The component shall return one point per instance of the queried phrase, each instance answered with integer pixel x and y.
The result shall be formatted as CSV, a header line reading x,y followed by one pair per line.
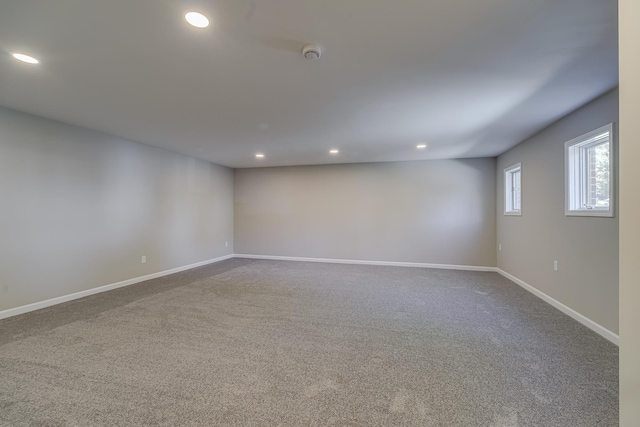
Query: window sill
x,y
595,213
513,213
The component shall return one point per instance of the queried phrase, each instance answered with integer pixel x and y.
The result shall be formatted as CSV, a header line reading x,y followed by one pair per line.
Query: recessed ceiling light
x,y
25,58
334,151
421,146
197,19
260,156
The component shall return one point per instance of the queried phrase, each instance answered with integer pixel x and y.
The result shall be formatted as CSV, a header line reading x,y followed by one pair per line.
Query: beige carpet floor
x,y
272,343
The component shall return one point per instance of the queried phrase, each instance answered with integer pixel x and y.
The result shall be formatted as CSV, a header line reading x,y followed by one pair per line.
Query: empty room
x,y
319,213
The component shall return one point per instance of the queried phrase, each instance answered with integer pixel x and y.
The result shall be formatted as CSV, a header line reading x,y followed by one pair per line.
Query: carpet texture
x,y
274,343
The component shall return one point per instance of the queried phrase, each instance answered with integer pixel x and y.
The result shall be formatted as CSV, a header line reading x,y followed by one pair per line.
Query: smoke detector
x,y
311,51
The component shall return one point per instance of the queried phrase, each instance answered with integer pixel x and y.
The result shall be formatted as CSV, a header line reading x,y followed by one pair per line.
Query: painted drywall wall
x,y
440,211
586,248
79,209
629,213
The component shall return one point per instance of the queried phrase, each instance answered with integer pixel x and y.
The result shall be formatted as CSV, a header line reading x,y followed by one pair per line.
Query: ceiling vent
x,y
311,51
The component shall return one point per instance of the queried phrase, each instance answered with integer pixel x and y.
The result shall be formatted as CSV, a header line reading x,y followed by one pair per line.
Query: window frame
x,y
509,188
573,172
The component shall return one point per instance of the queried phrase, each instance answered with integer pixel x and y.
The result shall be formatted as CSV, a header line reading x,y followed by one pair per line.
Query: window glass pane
x,y
598,176
516,190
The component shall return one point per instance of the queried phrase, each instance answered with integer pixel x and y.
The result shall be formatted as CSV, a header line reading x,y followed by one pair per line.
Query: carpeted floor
x,y
262,343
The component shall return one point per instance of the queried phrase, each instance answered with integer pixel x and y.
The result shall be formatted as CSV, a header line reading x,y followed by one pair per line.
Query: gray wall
x,y
586,247
629,213
440,211
79,209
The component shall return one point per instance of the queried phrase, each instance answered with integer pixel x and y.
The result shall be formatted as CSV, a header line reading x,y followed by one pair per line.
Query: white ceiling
x,y
471,78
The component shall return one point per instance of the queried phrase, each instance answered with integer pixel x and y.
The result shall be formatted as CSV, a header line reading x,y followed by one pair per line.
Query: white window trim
x,y
608,213
507,189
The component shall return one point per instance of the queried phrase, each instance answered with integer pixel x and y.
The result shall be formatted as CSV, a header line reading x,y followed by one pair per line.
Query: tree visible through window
x,y
599,175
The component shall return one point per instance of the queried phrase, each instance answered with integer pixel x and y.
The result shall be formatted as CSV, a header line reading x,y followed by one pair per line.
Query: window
x,y
589,173
512,190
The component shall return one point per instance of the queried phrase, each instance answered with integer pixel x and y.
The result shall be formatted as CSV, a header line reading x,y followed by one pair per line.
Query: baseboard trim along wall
x,y
557,304
364,262
599,329
59,300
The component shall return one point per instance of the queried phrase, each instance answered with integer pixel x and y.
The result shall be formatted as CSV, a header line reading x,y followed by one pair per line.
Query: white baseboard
x,y
58,300
599,329
363,262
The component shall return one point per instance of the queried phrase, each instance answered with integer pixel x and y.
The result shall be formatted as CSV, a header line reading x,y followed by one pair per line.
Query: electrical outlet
x,y
226,244
144,259
500,247
555,265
